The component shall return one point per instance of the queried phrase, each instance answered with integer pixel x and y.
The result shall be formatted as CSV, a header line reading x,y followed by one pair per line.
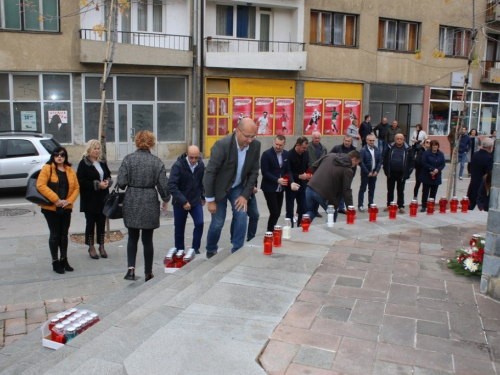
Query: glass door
x,y
265,32
132,118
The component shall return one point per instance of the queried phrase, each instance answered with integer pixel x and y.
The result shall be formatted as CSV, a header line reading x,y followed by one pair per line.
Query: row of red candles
x,y
67,325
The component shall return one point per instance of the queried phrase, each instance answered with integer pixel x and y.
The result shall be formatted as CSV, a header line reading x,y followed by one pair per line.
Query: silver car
x,y
22,155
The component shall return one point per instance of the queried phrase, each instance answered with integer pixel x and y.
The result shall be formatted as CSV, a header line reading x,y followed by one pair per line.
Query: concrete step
x,y
128,316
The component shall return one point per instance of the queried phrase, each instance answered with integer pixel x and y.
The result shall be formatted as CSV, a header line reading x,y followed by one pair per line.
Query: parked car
x,y
22,155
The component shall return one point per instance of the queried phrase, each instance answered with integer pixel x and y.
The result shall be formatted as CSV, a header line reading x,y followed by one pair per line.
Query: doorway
x,y
132,118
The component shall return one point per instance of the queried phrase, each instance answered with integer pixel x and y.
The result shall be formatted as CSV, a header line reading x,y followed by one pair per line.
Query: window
x,y
397,35
245,21
33,15
333,28
20,147
454,41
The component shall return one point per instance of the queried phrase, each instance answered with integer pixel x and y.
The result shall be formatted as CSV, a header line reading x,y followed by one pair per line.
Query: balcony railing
x,y
246,45
176,42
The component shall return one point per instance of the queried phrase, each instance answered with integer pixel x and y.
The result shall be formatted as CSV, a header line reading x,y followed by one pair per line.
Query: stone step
x,y
128,316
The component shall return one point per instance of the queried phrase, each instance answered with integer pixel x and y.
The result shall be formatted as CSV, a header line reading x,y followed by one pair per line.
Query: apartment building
x,y
190,69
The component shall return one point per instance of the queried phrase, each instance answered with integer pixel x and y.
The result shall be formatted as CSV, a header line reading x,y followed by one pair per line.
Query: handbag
x,y
32,193
113,204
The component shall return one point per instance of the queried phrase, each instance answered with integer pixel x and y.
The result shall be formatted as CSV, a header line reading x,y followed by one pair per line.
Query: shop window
x,y
92,113
454,41
26,87
34,15
245,21
136,88
56,87
22,112
337,29
4,117
4,87
171,89
57,118
93,88
439,115
217,86
171,122
395,35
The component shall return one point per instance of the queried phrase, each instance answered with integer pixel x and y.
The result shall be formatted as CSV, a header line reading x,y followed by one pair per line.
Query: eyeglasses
x,y
59,155
247,136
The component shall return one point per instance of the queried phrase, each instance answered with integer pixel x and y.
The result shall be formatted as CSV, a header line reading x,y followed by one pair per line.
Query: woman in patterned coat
x,y
144,176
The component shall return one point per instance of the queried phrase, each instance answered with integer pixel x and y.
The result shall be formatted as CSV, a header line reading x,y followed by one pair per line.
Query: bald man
x,y
186,187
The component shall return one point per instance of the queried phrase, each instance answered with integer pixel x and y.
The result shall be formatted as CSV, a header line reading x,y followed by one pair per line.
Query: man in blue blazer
x,y
231,175
274,165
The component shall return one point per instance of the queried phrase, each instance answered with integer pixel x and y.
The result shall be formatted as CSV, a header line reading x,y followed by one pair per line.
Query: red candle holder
x,y
413,208
373,211
351,214
305,222
454,204
277,234
465,204
393,209
443,202
430,206
268,243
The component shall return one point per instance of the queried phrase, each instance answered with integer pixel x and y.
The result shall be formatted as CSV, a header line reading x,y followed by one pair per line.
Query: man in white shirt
x,y
263,124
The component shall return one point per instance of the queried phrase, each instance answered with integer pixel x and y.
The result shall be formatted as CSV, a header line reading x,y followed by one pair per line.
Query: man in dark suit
x,y
231,175
480,164
364,129
275,164
299,162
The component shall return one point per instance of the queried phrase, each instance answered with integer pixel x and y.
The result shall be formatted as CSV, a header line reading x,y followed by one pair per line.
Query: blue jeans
x,y
314,200
253,218
180,217
291,196
370,182
382,145
218,219
461,160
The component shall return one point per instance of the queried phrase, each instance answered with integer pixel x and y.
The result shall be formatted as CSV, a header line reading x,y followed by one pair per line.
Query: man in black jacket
x,y
186,187
380,130
299,162
364,129
480,164
344,148
398,165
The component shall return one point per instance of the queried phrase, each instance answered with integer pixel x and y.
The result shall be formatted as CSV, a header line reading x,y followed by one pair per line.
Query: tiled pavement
x,y
388,305
17,320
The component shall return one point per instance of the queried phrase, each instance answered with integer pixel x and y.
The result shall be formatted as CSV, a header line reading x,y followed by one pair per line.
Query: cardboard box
x,y
47,338
170,270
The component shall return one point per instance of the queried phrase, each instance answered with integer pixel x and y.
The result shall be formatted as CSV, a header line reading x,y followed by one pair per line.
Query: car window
x,y
20,147
49,144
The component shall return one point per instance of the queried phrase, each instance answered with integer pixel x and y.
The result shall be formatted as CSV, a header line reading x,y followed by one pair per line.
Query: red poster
x,y
242,107
223,107
312,115
264,116
211,124
351,113
212,106
332,120
223,126
284,116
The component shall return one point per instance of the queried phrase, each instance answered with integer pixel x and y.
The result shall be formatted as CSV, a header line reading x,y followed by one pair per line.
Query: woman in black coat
x,y
94,178
433,163
420,149
483,194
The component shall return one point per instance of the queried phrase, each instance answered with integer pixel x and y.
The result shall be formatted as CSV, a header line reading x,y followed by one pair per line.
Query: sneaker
x,y
461,178
386,209
401,210
361,209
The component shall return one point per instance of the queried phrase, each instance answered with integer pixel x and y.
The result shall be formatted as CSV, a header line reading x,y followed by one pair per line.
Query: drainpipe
x,y
202,71
194,75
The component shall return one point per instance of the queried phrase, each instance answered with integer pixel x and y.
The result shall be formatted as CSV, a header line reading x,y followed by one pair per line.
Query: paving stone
x,y
24,306
315,297
334,327
433,329
369,267
333,258
349,282
406,268
494,345
431,266
318,339
330,270
36,315
299,369
489,307
277,356
409,247
321,282
368,312
32,327
430,246
377,281
413,357
426,371
387,368
454,347
301,314
383,257
398,331
13,314
349,360
460,293
356,293
55,307
15,326
360,258
358,248
403,295
447,275
315,357
465,327
431,293
10,339
2,308
72,299
471,366
491,324
335,313
419,281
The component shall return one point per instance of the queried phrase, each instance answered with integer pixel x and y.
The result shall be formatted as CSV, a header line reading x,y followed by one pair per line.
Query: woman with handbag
x,y
144,176
433,163
58,183
94,177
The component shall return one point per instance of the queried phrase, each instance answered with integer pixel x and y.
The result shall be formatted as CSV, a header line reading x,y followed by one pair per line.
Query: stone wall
x,y
490,279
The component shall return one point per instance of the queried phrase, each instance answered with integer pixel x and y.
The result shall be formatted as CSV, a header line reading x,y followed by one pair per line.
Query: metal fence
x,y
177,42
246,45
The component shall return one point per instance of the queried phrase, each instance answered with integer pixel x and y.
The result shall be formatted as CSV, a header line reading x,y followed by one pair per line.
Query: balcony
x,y
254,54
493,12
491,71
138,48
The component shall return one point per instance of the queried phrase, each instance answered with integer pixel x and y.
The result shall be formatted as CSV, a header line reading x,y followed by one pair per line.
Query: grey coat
x,y
144,176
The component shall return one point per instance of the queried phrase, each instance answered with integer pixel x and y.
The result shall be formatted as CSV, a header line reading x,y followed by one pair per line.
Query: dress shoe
x,y
318,215
401,210
210,255
92,252
102,251
386,209
196,251
65,265
148,277
423,209
341,211
56,266
130,274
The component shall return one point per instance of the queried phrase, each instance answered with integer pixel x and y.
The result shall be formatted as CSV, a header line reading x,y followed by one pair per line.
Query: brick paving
x,y
389,305
17,320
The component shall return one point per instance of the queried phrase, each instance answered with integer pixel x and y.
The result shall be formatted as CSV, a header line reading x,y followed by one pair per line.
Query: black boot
x,y
57,267
130,274
65,265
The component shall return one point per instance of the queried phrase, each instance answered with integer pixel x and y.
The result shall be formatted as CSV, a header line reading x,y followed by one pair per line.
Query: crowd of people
x,y
305,175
